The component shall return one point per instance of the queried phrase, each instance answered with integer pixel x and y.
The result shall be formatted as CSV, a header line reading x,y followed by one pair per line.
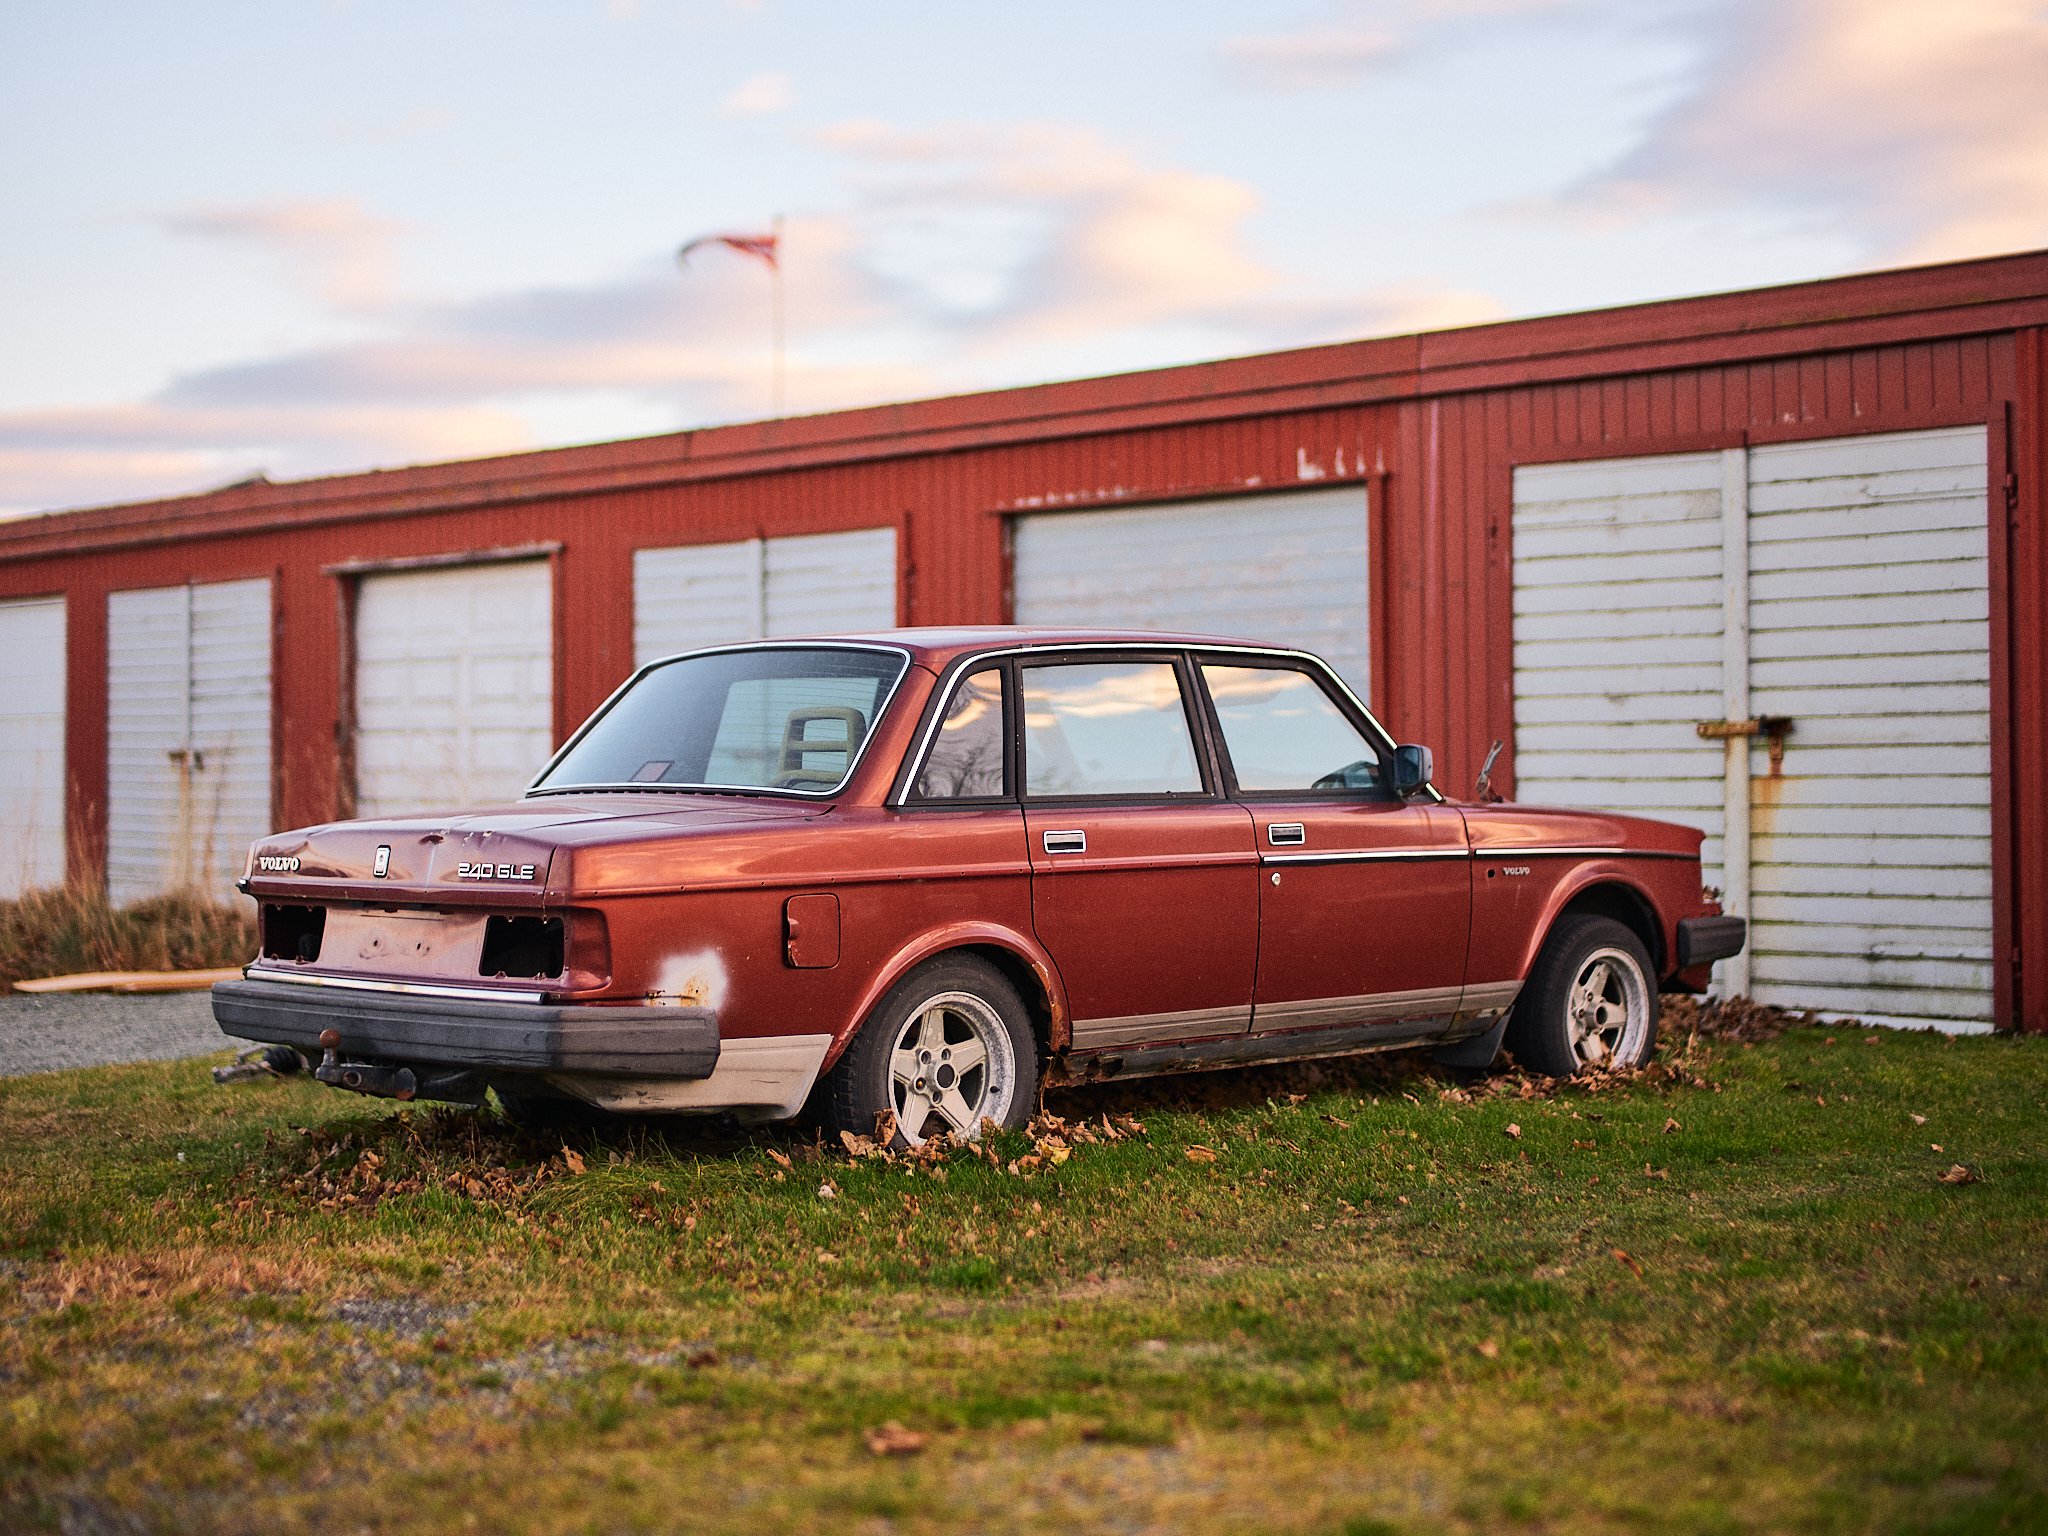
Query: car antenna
x,y
1483,790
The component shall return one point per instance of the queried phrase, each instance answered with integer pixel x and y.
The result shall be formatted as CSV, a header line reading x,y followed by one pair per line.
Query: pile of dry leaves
x,y
450,1149
1053,1141
1733,1018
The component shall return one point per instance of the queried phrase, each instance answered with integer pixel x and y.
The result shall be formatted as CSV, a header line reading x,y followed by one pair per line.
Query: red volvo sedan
x,y
924,872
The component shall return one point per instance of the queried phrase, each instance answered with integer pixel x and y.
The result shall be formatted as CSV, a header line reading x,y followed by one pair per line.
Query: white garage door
x,y
1841,585
752,589
32,745
454,685
188,736
1288,569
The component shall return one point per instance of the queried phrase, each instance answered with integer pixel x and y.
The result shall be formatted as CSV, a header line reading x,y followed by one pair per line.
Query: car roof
x,y
935,647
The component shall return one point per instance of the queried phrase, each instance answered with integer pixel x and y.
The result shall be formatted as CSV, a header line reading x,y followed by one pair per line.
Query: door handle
x,y
1072,841
1286,834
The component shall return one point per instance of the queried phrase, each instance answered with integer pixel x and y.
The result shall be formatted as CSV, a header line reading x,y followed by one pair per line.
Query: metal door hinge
x,y
1773,728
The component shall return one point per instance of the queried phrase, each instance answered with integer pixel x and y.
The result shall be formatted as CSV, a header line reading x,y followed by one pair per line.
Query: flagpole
x,y
775,279
764,248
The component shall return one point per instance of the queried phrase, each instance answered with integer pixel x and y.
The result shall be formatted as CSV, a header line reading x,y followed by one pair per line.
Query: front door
x,y
1144,879
1365,899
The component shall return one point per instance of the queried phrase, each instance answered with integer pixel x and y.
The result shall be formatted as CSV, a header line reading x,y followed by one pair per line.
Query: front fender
x,y
1613,874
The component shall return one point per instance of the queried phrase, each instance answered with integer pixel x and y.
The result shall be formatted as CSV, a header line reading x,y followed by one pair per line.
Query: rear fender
x,y
956,936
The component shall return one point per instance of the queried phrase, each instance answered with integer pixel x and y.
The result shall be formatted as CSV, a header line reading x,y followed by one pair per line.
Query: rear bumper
x,y
1703,940
619,1040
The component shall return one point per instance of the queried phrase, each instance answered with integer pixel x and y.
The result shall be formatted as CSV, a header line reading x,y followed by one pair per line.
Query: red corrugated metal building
x,y
1583,536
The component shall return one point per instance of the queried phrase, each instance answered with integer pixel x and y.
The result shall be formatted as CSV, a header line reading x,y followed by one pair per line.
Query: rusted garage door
x,y
32,745
454,685
1822,608
753,589
188,735
1286,568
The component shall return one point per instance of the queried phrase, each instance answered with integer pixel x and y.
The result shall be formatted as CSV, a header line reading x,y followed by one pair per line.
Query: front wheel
x,y
948,1048
1590,1003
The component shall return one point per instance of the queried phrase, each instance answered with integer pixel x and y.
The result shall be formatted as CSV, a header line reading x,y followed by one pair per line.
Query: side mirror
x,y
1412,768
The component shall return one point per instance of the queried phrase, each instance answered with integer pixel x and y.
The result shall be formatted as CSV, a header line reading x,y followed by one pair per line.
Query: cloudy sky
x,y
301,236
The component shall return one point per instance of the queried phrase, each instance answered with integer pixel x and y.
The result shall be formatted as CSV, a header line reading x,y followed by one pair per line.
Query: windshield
x,y
789,718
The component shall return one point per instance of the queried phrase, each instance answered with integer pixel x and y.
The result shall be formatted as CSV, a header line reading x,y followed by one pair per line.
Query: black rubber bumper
x,y
1703,940
619,1040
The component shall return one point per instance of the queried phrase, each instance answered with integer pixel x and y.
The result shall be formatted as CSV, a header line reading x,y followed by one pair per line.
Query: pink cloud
x,y
1922,129
344,255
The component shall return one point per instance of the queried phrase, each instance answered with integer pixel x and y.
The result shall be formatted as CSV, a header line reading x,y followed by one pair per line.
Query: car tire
x,y
1590,1002
949,1046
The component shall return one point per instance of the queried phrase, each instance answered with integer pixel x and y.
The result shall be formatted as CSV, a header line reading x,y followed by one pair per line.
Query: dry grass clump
x,y
66,929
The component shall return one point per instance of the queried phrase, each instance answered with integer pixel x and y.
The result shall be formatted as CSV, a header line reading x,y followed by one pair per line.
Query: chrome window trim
x,y
414,988
534,786
968,661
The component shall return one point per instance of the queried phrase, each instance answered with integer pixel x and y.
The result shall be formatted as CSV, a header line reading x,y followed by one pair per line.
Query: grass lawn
x,y
1733,1296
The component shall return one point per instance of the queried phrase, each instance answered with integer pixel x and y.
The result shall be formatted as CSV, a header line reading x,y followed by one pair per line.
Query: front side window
x,y
792,719
1284,732
1107,728
966,757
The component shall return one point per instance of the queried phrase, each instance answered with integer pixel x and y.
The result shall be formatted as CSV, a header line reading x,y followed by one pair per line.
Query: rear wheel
x,y
1590,1003
948,1048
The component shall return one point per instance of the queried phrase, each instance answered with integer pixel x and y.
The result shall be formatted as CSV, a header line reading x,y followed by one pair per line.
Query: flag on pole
x,y
764,248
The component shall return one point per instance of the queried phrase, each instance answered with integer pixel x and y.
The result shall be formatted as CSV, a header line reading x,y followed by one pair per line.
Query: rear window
x,y
790,718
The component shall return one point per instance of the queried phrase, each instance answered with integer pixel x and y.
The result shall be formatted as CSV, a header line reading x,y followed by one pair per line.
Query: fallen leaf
x,y
1934,1146
1342,1125
780,1157
1671,1125
1622,1254
1583,1146
1489,1349
1200,1154
572,1160
892,1439
1916,1119
827,1192
1515,1131
1960,1174
1654,1173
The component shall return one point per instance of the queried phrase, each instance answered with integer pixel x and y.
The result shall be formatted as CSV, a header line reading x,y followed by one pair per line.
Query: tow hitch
x,y
390,1082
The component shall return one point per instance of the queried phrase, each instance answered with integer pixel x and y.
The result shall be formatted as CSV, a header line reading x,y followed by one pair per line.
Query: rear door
x,y
1365,900
1144,878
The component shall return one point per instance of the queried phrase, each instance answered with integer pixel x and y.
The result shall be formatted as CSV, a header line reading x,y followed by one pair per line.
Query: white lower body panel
x,y
759,1079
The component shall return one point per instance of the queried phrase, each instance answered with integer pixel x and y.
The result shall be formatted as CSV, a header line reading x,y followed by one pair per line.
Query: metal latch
x,y
1773,728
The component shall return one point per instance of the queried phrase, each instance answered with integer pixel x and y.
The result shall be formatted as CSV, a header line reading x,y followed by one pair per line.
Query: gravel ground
x,y
52,1031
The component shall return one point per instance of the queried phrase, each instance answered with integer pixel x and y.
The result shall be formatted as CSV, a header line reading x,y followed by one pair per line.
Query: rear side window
x,y
966,760
1284,732
1107,728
